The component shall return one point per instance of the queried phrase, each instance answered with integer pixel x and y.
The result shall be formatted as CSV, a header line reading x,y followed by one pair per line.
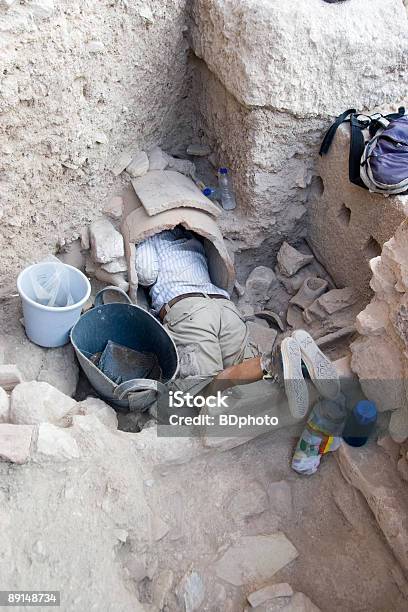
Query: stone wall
x,y
80,82
380,355
347,224
270,77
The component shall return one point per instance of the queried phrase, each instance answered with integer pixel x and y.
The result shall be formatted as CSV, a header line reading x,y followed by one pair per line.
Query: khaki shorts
x,y
214,329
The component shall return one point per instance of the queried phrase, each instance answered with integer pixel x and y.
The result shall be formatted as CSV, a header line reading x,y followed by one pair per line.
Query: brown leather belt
x,y
163,311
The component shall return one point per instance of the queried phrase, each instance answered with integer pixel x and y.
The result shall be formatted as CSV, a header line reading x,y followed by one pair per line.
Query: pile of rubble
x,y
101,250
297,294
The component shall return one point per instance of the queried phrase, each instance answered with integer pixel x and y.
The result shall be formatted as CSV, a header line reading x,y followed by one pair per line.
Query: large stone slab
x,y
255,559
15,442
371,472
260,65
162,190
38,402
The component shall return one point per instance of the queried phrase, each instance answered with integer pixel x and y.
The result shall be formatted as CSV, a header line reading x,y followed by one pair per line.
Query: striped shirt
x,y
173,263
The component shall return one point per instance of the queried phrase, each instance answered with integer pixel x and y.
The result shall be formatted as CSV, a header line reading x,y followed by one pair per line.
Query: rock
x,y
121,162
106,241
15,442
402,467
253,559
158,159
290,260
84,237
55,444
263,337
114,208
152,567
191,592
391,447
249,501
282,589
10,376
38,402
118,279
161,191
184,166
137,568
279,300
95,406
60,369
198,150
280,498
72,255
139,165
101,138
240,289
115,266
294,317
293,283
312,288
399,420
158,528
161,588
377,362
218,596
146,13
4,406
95,46
301,603
259,285
379,483
373,320
246,308
337,299
90,266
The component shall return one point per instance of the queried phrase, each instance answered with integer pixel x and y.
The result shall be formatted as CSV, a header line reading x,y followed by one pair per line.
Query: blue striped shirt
x,y
173,262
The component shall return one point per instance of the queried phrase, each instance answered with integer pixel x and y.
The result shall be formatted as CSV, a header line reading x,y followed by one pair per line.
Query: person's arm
x,y
147,263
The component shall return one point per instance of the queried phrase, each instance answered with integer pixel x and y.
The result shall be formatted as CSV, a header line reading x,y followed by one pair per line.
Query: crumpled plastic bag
x,y
52,285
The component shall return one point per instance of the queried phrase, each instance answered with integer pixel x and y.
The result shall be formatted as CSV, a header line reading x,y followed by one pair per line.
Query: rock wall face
x,y
380,355
347,224
80,82
271,77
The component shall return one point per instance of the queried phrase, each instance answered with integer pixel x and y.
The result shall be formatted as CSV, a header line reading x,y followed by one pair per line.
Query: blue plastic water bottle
x,y
360,423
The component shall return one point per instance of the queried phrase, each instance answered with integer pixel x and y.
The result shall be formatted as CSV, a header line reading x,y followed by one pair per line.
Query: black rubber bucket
x,y
130,326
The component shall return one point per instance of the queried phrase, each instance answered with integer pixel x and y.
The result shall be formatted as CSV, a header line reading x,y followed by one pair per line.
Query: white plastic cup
x,y
49,326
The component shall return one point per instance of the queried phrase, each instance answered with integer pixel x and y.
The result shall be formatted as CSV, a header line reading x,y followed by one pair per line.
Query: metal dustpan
x,y
130,326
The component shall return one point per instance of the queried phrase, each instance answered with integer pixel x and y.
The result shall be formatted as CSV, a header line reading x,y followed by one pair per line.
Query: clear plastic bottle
x,y
226,190
212,193
321,435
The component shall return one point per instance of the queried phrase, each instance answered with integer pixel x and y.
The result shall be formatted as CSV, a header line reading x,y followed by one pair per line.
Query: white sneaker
x,y
295,385
321,370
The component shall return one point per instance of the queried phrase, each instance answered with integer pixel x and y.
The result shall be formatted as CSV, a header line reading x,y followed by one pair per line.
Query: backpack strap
x,y
382,121
357,144
328,137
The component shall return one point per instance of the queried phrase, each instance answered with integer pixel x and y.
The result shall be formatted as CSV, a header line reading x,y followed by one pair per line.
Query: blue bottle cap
x,y
365,412
223,170
207,191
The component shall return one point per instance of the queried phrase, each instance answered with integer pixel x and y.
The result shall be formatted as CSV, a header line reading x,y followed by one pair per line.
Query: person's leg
x,y
194,324
233,335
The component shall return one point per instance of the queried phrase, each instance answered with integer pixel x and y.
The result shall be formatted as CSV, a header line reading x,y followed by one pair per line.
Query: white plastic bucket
x,y
49,326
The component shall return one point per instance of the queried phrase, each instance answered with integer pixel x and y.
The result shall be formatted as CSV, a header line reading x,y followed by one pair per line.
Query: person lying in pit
x,y
197,313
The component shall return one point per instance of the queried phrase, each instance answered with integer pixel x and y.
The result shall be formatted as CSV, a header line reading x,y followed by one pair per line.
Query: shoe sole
x,y
295,385
321,370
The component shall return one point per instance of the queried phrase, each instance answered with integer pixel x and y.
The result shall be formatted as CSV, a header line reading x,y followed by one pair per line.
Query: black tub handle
x,y
99,296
